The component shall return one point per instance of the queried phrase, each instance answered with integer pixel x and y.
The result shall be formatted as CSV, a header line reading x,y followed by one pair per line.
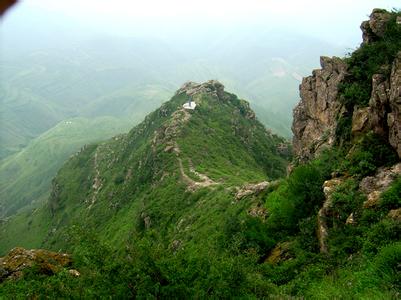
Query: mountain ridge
x,y
195,203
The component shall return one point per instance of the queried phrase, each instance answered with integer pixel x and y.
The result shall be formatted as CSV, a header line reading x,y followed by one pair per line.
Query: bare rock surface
x,y
314,121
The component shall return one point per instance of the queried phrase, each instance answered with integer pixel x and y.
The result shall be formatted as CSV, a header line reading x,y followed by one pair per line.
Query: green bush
x,y
346,200
369,153
380,234
391,199
387,263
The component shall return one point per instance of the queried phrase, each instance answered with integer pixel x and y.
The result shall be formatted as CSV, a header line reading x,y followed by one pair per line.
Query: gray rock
x,y
394,117
314,121
376,26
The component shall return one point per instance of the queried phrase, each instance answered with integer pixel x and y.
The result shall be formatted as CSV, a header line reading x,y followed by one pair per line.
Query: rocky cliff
x,y
354,105
315,117
322,106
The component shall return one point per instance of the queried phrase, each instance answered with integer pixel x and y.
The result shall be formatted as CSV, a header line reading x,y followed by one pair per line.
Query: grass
x,y
25,177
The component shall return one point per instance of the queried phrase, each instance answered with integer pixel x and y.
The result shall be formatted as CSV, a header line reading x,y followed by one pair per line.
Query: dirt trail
x,y
192,184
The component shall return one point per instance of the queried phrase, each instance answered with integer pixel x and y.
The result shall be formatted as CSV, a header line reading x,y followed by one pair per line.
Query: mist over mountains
x,y
132,164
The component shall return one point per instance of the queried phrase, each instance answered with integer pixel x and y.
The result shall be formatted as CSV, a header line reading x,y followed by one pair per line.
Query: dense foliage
x,y
239,260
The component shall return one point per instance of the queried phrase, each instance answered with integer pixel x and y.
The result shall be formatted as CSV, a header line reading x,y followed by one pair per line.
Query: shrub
x,y
387,263
380,234
391,199
371,152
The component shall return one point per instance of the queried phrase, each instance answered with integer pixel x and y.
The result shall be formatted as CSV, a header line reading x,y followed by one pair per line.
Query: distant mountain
x,y
45,85
198,201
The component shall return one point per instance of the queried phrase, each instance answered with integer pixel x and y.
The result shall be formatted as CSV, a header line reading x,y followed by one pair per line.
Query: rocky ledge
x,y
19,260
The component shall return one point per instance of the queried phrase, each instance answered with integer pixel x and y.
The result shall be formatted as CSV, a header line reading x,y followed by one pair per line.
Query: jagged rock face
x,y
383,115
376,26
19,259
394,117
315,116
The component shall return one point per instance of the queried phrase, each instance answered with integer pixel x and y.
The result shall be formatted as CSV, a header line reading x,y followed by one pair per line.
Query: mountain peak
x,y
212,87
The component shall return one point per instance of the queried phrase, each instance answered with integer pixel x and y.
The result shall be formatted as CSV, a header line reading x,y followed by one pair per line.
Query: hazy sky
x,y
334,21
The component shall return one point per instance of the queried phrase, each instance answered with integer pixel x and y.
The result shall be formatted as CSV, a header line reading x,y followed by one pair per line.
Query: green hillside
x,y
201,201
188,205
25,177
163,165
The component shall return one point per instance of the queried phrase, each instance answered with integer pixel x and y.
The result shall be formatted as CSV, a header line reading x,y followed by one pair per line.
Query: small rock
x,y
395,214
373,199
176,245
74,273
258,212
169,148
350,220
251,189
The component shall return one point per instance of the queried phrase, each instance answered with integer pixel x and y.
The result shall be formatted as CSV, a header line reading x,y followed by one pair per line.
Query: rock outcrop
x,y
394,116
317,114
375,27
45,262
315,117
212,87
324,213
374,186
383,115
251,189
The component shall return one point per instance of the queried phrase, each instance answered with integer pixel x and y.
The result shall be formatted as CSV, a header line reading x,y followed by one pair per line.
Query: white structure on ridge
x,y
190,104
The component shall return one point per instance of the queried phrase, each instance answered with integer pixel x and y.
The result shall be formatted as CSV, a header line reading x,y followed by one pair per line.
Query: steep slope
x,y
346,178
184,206
350,97
25,177
166,167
